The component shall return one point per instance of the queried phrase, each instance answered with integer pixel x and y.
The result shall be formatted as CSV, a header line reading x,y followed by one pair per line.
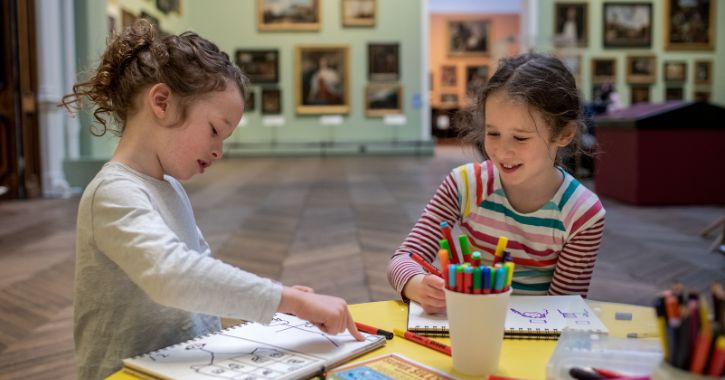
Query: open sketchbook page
x,y
287,348
526,315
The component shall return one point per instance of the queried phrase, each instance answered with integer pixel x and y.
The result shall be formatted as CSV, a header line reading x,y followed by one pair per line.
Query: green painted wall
x,y
232,25
545,37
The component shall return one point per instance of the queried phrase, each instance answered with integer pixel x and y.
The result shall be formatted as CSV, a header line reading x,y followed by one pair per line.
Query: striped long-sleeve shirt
x,y
554,248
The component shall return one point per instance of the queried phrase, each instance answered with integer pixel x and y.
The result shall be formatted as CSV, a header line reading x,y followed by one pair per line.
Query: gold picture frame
x,y
702,71
681,33
383,99
288,15
322,79
641,69
359,12
604,70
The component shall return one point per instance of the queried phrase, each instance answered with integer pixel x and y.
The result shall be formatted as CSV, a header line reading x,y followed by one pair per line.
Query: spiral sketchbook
x,y
527,317
287,348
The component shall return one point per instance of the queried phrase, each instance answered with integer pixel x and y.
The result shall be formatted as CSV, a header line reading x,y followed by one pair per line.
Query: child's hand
x,y
303,288
427,290
329,314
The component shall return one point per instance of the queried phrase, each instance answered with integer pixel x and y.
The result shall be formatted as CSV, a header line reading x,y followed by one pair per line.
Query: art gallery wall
x,y
503,40
232,25
544,39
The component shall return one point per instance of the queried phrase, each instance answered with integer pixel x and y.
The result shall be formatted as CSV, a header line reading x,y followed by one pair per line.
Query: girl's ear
x,y
159,98
567,134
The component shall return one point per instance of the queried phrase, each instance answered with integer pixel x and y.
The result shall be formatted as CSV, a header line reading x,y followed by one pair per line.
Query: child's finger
x,y
352,328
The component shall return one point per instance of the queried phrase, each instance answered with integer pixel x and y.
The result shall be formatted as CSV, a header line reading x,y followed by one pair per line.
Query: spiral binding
x,y
189,341
434,331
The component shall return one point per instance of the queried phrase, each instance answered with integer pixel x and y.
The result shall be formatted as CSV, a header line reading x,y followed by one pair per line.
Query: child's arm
x,y
328,313
407,276
574,268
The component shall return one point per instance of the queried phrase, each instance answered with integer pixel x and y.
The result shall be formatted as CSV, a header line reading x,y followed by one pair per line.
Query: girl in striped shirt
x,y
527,119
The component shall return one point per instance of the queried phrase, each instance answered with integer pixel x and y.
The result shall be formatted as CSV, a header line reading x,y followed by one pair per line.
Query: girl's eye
x,y
492,134
213,131
521,138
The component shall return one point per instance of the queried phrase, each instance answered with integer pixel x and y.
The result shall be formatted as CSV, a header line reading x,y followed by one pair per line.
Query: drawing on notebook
x,y
535,317
304,326
579,318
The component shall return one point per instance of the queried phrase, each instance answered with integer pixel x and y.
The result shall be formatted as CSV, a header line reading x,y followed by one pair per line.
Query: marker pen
x,y
468,280
452,276
440,347
500,247
426,265
446,230
465,247
486,280
477,280
476,259
374,330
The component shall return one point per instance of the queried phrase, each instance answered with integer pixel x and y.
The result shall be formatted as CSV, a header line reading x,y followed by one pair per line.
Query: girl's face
x,y
194,145
518,141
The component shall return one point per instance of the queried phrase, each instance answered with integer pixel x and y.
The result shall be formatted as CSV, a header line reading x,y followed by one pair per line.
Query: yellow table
x,y
524,359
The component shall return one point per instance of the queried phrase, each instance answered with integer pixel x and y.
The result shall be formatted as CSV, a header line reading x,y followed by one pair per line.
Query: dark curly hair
x,y
137,58
542,82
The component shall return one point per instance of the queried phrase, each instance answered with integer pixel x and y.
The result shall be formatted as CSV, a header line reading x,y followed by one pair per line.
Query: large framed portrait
x,y
322,84
627,25
703,72
271,101
260,66
383,62
383,99
571,26
604,70
675,71
359,12
285,15
468,37
641,69
689,25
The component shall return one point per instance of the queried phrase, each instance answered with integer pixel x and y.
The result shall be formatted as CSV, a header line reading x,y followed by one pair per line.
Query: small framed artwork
x,y
288,15
689,25
703,72
627,25
476,78
358,12
640,94
673,93
468,37
168,6
641,69
383,99
449,75
271,101
260,66
383,62
701,96
571,27
250,104
604,70
675,71
322,84
449,100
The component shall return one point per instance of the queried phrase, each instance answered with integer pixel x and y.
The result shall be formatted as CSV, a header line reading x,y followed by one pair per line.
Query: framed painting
x,y
260,66
168,6
674,93
383,99
359,12
468,37
448,76
571,28
449,100
271,101
675,71
701,96
689,25
322,84
476,78
250,104
604,70
641,69
627,25
288,15
703,72
640,94
383,62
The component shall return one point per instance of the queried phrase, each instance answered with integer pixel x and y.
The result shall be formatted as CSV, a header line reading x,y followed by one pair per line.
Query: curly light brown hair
x,y
137,58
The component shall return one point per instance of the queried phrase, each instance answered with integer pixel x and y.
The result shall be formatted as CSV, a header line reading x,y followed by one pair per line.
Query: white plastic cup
x,y
476,324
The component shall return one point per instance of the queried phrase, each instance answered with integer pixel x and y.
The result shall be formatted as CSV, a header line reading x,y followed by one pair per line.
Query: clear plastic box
x,y
629,356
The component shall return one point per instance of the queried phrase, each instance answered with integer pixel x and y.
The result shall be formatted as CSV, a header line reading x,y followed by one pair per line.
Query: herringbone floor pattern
x,y
327,223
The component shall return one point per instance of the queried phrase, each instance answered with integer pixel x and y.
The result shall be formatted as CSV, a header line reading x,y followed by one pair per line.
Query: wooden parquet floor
x,y
329,223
